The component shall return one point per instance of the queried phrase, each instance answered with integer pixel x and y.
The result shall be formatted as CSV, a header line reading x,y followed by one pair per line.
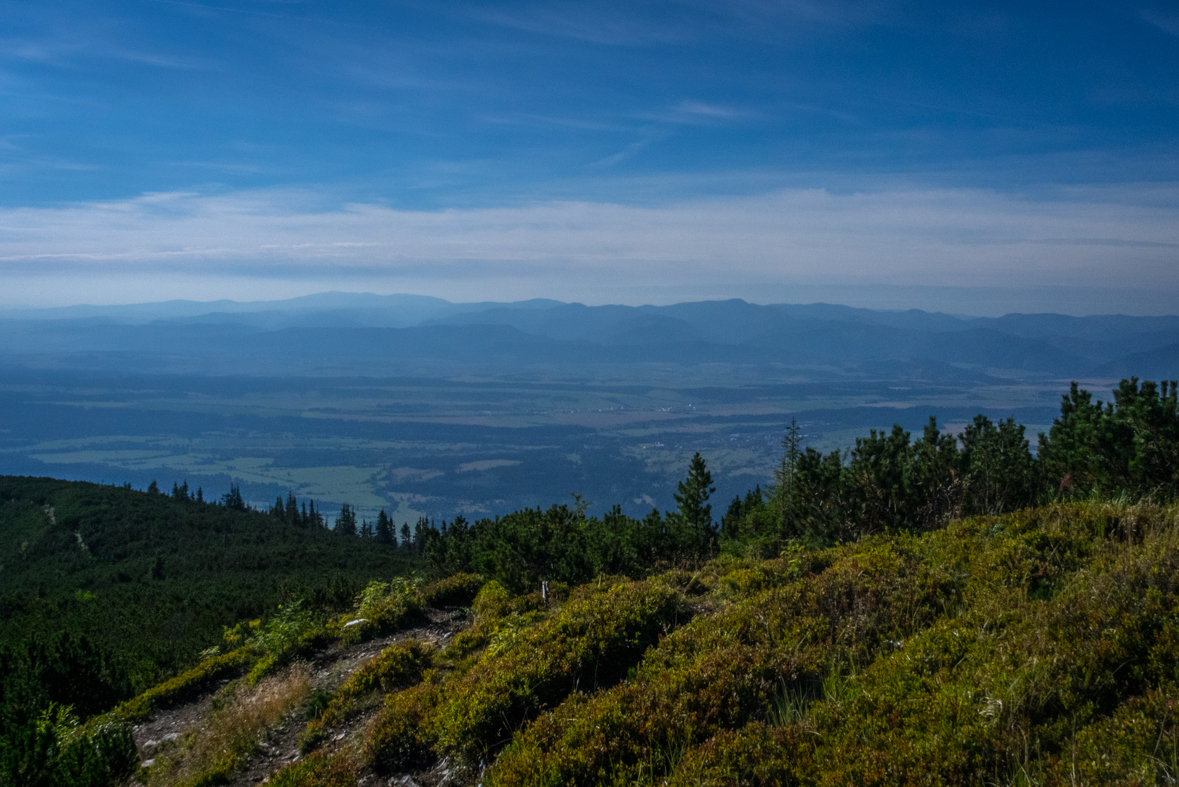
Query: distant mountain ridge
x,y
372,330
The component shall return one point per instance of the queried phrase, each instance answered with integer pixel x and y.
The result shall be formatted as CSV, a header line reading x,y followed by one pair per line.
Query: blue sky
x,y
968,158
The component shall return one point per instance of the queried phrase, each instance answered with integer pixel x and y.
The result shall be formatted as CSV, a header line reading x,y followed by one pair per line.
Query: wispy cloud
x,y
630,151
1167,21
73,51
806,237
590,23
707,110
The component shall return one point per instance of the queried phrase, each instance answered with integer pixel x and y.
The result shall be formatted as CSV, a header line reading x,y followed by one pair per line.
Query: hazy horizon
x,y
983,304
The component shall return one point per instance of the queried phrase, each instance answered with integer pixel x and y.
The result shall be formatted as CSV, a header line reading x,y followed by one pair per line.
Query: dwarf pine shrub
x,y
458,590
186,685
55,751
382,607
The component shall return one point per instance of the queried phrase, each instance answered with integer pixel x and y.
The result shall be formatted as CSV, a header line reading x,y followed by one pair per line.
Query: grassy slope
x,y
1038,648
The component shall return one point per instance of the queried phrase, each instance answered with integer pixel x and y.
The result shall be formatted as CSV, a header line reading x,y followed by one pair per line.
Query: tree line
x,y
887,482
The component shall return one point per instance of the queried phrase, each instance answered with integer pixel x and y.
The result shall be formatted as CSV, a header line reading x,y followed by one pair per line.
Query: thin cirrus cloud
x,y
917,238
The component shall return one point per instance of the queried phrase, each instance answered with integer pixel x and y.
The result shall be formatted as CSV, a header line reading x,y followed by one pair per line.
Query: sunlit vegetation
x,y
945,611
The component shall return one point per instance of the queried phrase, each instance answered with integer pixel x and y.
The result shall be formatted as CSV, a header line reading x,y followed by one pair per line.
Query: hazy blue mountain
x,y
338,332
1160,363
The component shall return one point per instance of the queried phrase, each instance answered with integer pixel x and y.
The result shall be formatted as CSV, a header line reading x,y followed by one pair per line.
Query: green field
x,y
468,444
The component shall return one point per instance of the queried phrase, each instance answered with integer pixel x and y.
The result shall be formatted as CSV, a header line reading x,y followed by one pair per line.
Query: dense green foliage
x,y
1038,647
106,591
527,547
530,662
951,610
888,482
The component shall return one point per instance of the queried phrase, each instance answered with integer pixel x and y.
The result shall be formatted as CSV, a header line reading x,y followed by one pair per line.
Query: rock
x,y
147,763
403,781
171,736
150,744
355,622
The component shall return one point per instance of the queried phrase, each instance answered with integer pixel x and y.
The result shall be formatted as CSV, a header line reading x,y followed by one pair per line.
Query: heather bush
x,y
399,737
396,667
722,670
320,769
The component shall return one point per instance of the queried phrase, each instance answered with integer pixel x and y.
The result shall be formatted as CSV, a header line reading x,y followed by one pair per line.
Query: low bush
x,y
454,591
399,738
723,670
592,641
321,769
186,685
382,608
56,752
397,667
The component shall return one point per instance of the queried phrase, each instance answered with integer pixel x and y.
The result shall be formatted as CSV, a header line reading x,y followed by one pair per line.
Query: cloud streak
x,y
959,238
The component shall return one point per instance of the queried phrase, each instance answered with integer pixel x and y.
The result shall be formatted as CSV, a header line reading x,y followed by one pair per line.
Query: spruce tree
x,y
346,522
694,510
784,474
385,532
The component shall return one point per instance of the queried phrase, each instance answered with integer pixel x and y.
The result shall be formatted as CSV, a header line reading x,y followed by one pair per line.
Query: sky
x,y
968,158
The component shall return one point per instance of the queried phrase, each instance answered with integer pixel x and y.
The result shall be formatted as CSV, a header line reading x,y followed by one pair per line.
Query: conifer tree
x,y
346,522
385,532
784,473
694,510
406,537
232,498
420,531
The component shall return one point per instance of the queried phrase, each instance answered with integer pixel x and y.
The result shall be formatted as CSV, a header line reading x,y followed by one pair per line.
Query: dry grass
x,y
232,731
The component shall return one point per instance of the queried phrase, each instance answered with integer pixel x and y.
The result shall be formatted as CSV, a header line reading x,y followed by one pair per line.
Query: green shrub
x,y
382,608
397,667
723,670
398,738
594,638
186,685
318,770
492,602
454,591
56,752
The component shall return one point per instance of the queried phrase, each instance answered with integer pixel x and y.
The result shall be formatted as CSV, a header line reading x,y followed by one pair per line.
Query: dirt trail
x,y
279,746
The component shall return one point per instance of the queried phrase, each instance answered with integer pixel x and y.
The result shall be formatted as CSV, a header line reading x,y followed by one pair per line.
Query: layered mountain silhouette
x,y
344,329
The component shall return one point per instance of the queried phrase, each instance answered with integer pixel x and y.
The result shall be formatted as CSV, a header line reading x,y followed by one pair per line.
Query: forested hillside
x,y
106,591
944,610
